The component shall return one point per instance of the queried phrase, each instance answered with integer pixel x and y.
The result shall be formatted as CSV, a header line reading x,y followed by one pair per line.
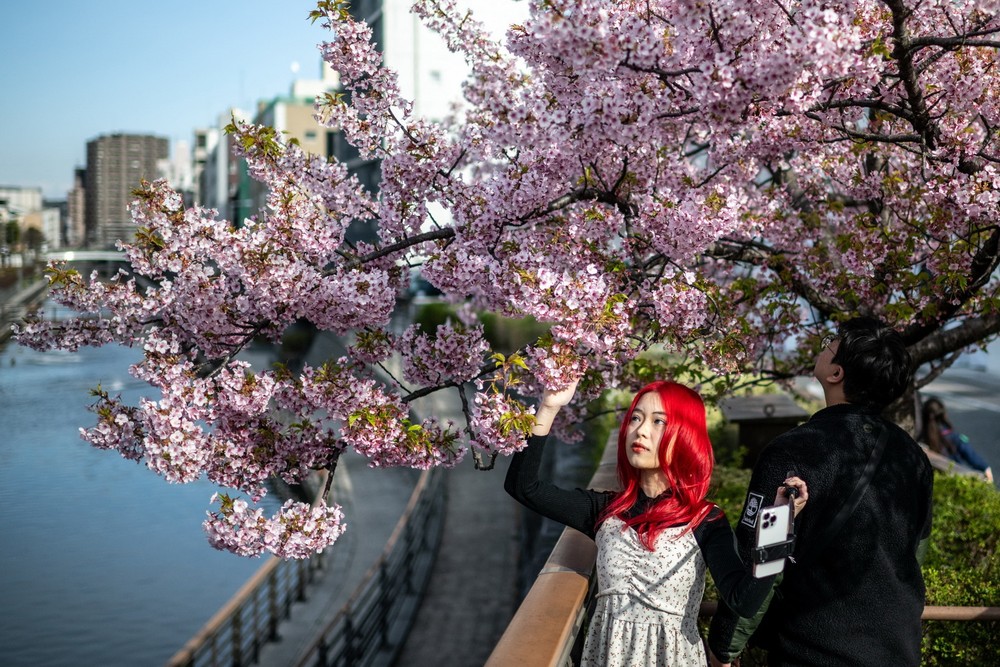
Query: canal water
x,y
102,562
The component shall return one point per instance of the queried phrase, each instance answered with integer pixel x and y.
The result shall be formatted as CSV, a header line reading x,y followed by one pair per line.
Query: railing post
x,y
408,558
349,645
322,657
300,572
257,640
272,606
288,587
236,639
383,605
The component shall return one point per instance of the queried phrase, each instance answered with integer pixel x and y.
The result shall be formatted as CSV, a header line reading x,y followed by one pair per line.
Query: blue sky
x,y
73,70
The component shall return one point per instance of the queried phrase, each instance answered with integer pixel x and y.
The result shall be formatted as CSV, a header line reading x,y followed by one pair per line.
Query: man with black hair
x,y
853,594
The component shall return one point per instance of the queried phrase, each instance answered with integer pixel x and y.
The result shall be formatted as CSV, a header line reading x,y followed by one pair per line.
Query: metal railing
x,y
369,629
372,626
14,305
234,636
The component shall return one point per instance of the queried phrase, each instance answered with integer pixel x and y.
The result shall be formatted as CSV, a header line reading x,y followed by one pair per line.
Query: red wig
x,y
688,474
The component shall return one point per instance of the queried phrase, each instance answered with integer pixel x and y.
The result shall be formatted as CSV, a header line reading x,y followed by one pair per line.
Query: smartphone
x,y
772,528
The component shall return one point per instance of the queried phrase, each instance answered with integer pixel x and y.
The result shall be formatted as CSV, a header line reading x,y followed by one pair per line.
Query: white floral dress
x,y
647,602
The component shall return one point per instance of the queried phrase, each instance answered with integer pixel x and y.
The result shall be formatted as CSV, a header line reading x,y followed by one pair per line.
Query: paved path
x,y
471,595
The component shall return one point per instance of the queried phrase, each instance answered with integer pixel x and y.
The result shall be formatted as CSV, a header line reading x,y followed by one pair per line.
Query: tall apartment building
x,y
76,209
116,164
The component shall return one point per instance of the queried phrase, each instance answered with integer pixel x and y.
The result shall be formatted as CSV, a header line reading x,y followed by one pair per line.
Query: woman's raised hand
x,y
549,405
557,399
801,496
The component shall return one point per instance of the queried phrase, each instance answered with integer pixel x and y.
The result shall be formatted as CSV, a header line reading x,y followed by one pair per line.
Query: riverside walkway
x,y
471,595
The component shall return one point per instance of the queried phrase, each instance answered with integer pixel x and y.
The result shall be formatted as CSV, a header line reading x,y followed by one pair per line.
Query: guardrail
x,y
550,619
16,304
372,626
549,624
369,629
233,637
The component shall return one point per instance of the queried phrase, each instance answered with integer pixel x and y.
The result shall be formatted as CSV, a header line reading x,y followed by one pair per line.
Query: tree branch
x,y
952,42
984,264
756,254
940,342
902,52
403,244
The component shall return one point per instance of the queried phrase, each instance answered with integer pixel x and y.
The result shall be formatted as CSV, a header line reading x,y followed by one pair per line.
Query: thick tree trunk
x,y
905,411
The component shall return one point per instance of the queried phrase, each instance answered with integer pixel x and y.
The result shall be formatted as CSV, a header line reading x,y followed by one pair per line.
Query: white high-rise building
x,y
180,171
216,169
429,74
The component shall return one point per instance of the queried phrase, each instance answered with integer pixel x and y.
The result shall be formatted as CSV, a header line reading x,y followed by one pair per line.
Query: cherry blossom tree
x,y
722,181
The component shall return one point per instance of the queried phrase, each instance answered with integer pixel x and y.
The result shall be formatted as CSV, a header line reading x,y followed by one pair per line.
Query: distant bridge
x,y
107,263
86,256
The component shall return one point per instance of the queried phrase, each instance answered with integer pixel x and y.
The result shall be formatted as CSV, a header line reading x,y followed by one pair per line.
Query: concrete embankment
x,y
14,304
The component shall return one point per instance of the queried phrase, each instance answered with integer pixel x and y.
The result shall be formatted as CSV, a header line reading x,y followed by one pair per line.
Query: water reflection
x,y
101,561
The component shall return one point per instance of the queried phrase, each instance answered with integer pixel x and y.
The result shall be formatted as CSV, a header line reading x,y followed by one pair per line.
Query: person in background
x,y
853,592
655,536
941,437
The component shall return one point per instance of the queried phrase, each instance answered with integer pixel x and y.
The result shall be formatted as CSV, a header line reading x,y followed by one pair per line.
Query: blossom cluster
x,y
454,354
297,531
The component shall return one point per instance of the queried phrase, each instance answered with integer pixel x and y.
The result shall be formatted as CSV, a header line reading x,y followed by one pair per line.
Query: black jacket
x,y
858,601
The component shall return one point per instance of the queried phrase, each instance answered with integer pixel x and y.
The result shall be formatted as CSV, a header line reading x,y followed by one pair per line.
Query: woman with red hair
x,y
656,536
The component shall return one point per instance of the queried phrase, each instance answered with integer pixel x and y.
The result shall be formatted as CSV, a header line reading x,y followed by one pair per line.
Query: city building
x,y
429,74
292,116
116,164
17,201
76,209
27,221
41,230
180,171
216,169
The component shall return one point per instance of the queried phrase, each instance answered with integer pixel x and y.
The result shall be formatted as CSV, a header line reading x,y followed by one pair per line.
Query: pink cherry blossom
x,y
709,184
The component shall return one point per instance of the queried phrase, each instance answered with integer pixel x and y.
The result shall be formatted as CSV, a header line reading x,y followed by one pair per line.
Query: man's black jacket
x,y
857,601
